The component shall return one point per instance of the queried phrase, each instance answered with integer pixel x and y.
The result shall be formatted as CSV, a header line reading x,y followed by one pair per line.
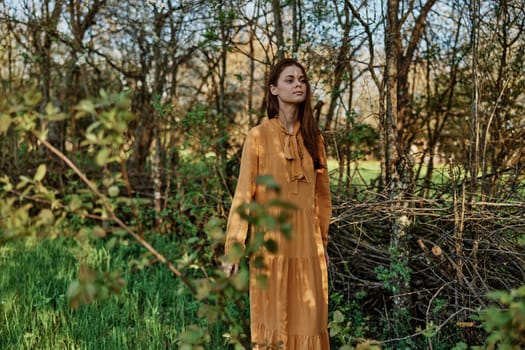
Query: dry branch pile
x,y
458,252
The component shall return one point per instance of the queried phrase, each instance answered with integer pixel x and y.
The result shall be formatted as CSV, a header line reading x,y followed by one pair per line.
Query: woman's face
x,y
291,86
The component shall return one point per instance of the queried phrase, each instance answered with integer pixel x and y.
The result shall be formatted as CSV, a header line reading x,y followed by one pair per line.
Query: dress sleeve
x,y
323,201
237,228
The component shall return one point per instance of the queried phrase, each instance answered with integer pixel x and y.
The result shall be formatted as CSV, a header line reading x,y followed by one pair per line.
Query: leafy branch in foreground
x,y
505,326
104,140
220,291
31,207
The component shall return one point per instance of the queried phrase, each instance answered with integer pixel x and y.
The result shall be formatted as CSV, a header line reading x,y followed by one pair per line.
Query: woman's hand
x,y
230,269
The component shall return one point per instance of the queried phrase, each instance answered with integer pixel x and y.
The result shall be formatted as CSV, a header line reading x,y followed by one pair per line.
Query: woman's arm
x,y
237,228
323,198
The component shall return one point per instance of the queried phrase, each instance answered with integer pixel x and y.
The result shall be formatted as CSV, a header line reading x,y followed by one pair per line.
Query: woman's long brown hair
x,y
309,128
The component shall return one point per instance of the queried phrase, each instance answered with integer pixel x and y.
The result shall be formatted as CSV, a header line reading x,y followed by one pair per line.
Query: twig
x,y
113,216
438,328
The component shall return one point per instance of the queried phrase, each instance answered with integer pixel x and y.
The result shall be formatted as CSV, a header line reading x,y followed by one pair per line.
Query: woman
x,y
293,309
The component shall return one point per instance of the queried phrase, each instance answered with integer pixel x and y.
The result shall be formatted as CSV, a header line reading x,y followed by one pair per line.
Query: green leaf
x,y
7,183
50,109
193,335
193,240
500,295
269,182
212,313
214,230
236,252
241,280
98,232
111,243
334,331
73,294
83,233
75,203
46,216
520,292
261,281
93,126
268,222
203,288
271,246
102,157
258,262
40,173
32,98
460,346
257,239
86,106
5,122
53,114
287,230
103,94
113,191
338,316
91,138
120,233
282,204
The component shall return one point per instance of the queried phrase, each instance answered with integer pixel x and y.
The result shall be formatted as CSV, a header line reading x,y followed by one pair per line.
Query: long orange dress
x,y
293,309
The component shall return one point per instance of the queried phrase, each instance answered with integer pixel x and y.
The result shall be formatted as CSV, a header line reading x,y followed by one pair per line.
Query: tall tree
x,y
43,33
80,17
342,61
440,67
473,165
501,59
398,163
278,28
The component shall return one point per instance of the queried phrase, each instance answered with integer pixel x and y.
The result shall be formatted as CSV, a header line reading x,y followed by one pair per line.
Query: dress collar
x,y
293,153
278,123
292,141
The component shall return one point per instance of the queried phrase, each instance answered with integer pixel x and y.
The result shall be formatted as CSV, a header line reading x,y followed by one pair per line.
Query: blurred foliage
x,y
505,324
91,207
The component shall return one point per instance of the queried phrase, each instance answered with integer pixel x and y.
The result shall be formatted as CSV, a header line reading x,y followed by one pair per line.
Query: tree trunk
x,y
341,67
251,110
279,32
474,125
49,22
393,160
398,163
295,26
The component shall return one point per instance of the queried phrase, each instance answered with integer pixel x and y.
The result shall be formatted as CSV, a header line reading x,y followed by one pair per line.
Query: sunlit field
x,y
150,312
367,171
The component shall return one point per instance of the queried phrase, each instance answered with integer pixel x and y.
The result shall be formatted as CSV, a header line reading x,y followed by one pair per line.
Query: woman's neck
x,y
288,116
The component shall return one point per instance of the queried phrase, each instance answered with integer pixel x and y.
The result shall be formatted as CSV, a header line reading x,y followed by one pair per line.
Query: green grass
x,y
365,171
150,312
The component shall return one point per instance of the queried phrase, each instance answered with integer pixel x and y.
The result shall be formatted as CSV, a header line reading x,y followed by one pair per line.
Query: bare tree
x,y
441,67
398,164
42,25
342,62
279,31
501,57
